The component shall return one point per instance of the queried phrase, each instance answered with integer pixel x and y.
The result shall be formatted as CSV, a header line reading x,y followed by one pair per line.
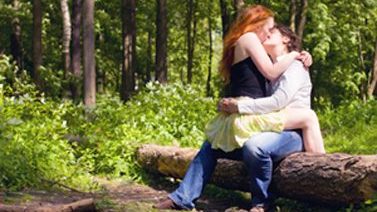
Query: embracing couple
x,y
265,117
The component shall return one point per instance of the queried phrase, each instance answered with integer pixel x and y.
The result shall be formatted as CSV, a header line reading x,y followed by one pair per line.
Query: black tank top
x,y
246,80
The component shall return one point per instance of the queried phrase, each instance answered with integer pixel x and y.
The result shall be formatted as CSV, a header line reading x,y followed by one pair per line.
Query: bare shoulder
x,y
247,38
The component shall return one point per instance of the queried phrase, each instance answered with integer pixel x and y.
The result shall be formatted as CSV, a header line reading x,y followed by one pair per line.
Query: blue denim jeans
x,y
258,154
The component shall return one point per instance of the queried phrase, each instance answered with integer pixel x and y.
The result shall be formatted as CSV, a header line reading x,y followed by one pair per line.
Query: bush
x,y
172,114
33,149
350,128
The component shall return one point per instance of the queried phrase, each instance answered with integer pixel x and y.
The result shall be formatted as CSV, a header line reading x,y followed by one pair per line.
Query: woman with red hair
x,y
246,65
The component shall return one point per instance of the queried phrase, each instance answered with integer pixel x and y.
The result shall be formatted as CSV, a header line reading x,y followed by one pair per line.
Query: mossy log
x,y
333,179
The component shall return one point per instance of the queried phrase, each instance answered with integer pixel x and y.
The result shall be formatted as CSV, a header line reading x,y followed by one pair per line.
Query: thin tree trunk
x,y
208,85
224,16
15,39
293,13
373,81
129,33
161,42
89,59
193,39
66,38
190,8
149,62
364,83
76,50
302,20
100,73
37,42
238,5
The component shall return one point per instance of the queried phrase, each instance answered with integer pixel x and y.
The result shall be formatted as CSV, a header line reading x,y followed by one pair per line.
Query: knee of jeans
x,y
252,151
296,141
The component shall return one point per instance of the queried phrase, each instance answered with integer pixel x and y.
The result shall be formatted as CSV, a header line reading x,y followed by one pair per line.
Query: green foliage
x,y
49,141
350,128
33,149
173,114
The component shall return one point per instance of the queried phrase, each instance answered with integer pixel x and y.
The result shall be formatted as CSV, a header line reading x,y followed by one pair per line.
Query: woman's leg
x,y
306,120
259,154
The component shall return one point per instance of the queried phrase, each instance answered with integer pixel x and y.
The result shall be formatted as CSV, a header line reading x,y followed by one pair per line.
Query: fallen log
x,y
85,205
333,179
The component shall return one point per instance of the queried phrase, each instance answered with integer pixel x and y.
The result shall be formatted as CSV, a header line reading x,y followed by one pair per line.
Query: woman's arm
x,y
251,44
289,84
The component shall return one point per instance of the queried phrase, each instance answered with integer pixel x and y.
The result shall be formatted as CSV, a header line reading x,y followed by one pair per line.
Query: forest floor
x,y
121,195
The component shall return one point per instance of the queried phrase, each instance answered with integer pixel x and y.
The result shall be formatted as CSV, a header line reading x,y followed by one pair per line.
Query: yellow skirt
x,y
230,131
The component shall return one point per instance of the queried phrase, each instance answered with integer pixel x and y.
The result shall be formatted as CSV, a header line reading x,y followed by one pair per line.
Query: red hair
x,y
250,19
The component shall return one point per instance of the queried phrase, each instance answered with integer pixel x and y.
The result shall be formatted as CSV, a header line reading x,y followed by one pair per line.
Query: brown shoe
x,y
167,204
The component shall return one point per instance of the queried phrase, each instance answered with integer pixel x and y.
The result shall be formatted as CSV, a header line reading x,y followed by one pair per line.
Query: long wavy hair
x,y
250,19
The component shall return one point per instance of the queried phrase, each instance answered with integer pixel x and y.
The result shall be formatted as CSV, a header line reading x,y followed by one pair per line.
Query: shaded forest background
x,y
83,83
122,45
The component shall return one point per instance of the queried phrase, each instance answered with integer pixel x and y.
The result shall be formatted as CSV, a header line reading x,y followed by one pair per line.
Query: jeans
x,y
258,154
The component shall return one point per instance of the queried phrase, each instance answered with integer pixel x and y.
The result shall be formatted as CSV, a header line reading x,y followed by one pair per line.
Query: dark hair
x,y
294,41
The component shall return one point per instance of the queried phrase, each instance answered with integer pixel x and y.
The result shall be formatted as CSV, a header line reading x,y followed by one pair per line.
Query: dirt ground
x,y
120,195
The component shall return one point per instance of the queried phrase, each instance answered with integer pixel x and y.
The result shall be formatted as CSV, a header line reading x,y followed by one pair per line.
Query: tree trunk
x,y
129,44
161,42
149,62
292,15
76,50
89,59
190,46
37,42
100,73
66,37
334,179
224,16
210,52
15,39
238,5
302,19
373,77
364,83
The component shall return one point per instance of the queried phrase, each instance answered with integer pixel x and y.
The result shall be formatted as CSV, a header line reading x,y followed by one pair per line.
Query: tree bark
x,y
334,179
238,5
37,42
76,50
66,37
210,52
129,48
373,77
89,59
78,206
15,39
161,42
363,86
100,73
302,19
225,21
190,46
149,62
292,15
